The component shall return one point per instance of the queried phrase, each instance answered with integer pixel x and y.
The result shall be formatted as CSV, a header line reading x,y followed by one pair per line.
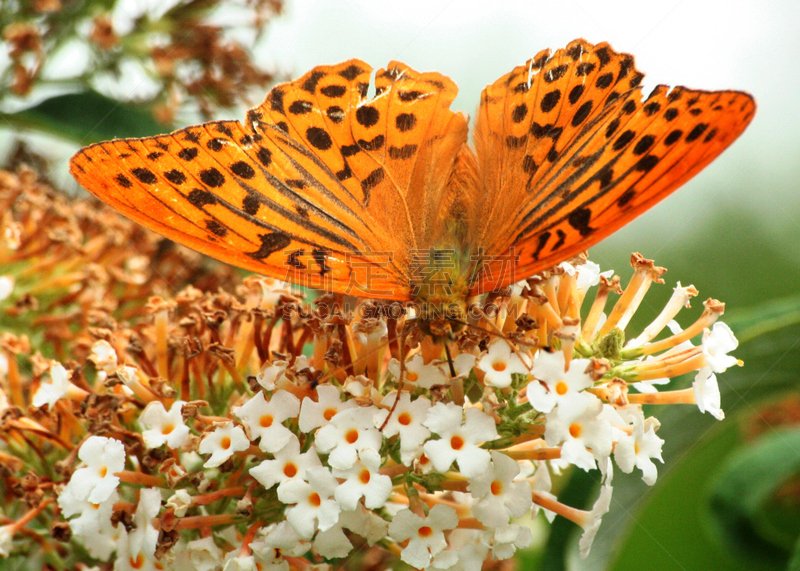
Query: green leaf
x,y
88,117
766,317
740,503
794,562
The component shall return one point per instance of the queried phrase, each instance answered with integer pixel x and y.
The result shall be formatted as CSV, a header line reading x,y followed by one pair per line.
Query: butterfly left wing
x,y
567,153
317,187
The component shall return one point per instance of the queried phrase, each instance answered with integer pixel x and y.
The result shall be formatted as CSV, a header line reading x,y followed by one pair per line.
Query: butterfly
x,y
379,195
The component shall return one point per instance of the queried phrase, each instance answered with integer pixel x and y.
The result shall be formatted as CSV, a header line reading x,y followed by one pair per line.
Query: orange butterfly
x,y
382,197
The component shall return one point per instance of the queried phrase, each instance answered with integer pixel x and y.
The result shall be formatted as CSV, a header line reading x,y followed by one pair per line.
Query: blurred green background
x,y
727,496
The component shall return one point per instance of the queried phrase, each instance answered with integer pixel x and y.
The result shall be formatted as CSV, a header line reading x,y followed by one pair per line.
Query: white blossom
x,y
317,414
407,421
103,458
706,393
500,362
222,443
425,535
163,427
459,441
264,418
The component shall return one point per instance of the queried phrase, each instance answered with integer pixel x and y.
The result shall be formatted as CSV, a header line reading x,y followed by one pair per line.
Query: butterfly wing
x,y
567,153
314,188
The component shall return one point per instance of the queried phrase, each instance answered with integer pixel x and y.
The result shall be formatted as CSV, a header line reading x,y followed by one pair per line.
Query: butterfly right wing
x,y
313,189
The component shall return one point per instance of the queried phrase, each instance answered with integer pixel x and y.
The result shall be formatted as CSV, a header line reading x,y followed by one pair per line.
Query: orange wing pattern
x,y
567,152
314,188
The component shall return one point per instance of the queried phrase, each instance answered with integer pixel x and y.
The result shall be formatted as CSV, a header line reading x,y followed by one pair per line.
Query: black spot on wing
x,y
216,228
319,138
367,116
146,176
123,181
200,198
188,153
212,177
579,219
373,179
550,100
310,84
175,176
333,91
270,243
242,170
351,72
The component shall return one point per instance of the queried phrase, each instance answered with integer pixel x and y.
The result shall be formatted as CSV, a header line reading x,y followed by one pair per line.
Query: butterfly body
x,y
382,196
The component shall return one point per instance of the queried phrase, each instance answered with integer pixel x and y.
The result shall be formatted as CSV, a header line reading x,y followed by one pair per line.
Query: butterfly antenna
x,y
364,356
482,329
400,382
449,360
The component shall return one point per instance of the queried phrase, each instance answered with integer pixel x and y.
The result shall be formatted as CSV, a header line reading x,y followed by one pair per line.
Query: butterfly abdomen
x,y
439,288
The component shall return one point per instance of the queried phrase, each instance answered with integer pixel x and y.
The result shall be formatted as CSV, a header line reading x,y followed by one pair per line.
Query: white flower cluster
x,y
447,482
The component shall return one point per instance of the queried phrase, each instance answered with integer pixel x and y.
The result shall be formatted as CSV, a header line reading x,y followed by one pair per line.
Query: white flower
x,y
417,372
93,526
426,536
563,388
314,506
717,343
143,539
407,421
163,427
58,387
270,374
103,458
274,543
131,557
706,393
180,501
463,363
459,442
595,517
334,543
638,448
6,286
577,433
316,414
588,274
204,555
500,497
363,481
241,563
6,539
288,465
470,548
104,356
349,432
500,362
507,539
222,443
264,418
